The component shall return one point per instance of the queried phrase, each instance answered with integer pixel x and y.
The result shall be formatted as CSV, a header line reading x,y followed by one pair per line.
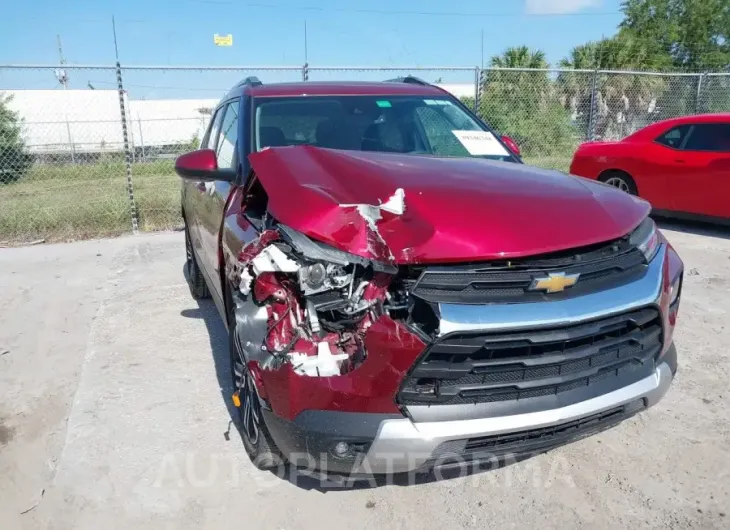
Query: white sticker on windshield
x,y
480,143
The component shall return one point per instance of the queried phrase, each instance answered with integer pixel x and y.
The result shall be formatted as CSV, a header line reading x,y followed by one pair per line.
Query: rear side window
x,y
674,137
713,137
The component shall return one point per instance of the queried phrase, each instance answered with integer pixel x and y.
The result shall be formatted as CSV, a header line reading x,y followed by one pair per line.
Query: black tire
x,y
196,280
620,180
248,418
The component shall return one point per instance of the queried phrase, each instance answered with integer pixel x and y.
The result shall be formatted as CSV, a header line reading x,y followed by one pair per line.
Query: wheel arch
x,y
605,174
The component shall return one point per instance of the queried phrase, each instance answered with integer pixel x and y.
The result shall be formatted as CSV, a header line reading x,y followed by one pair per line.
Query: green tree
x,y
694,34
522,102
14,161
520,57
622,101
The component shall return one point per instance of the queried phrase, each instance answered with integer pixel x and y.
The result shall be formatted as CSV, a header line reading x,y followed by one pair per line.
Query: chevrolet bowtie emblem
x,y
554,283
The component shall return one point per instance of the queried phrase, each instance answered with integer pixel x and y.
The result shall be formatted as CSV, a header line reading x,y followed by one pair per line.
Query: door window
x,y
213,128
228,137
674,137
714,137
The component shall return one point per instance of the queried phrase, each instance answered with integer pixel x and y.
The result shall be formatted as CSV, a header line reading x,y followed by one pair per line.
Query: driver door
x,y
701,176
214,195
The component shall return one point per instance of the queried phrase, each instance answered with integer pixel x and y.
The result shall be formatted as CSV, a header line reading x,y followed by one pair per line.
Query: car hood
x,y
420,209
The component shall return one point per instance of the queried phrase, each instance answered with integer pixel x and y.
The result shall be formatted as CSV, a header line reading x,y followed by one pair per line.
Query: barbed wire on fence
x,y
96,157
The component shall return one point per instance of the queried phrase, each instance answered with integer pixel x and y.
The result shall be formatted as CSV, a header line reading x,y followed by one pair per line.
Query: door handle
x,y
679,161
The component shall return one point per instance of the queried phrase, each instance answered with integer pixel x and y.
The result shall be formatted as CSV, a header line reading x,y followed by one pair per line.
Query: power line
x,y
399,12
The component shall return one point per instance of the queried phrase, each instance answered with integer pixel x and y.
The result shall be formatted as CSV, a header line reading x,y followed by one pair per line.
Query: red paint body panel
x,y
371,387
456,210
695,182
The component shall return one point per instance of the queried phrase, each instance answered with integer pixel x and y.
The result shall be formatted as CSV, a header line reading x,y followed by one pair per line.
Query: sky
x,y
271,32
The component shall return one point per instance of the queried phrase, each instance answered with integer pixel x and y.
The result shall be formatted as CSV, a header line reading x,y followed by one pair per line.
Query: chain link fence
x,y
89,151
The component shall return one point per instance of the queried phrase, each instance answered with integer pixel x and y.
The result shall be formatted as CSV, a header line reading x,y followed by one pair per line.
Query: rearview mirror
x,y
512,145
202,165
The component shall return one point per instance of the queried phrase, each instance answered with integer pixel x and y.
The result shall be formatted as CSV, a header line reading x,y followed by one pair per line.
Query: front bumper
x,y
422,440
390,444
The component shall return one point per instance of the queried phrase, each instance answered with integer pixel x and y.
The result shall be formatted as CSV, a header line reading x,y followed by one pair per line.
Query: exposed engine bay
x,y
310,305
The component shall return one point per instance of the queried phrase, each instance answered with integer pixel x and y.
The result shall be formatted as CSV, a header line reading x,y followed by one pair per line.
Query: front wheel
x,y
620,180
249,421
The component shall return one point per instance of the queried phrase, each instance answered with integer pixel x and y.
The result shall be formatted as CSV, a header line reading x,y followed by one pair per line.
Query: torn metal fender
x,y
391,351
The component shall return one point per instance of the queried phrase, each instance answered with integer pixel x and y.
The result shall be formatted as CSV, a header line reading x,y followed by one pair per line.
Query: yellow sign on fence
x,y
223,40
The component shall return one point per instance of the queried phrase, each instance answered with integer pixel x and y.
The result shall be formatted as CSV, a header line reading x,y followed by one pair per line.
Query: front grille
x,y
533,440
483,367
600,267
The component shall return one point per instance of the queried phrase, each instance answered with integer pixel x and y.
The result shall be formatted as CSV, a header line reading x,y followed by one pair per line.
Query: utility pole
x,y
482,48
62,77
305,42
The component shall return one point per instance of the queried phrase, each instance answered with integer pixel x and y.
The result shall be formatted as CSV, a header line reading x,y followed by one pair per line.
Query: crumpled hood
x,y
453,209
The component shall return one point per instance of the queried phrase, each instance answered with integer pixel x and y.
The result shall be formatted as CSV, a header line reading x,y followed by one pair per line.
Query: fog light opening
x,y
341,449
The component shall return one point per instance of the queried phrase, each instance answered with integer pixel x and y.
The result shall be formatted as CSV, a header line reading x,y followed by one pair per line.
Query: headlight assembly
x,y
646,239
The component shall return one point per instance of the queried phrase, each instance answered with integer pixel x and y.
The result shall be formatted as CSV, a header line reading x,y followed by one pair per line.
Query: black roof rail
x,y
251,80
409,79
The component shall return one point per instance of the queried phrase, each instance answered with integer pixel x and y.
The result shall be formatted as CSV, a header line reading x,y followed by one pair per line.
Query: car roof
x,y
336,88
698,118
649,132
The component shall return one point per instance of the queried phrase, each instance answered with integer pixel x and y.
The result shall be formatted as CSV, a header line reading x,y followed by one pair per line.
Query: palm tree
x,y
527,86
519,100
520,57
623,101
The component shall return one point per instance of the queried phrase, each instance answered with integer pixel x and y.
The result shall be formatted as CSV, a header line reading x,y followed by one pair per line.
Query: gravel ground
x,y
112,415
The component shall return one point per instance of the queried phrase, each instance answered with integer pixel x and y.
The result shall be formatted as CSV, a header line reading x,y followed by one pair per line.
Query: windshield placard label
x,y
480,143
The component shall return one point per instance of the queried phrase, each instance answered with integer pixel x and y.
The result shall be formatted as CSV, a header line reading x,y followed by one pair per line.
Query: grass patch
x,y
66,202
59,203
561,163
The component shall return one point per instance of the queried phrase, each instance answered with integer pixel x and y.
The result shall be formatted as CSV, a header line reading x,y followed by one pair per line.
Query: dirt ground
x,y
113,414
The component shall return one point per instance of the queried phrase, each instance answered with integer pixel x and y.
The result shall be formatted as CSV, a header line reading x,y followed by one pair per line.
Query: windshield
x,y
393,124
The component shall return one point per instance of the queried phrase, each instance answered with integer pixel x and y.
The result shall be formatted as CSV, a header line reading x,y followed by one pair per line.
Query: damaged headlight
x,y
320,277
330,279
646,238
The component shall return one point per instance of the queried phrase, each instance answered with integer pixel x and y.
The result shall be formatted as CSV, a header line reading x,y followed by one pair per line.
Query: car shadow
x,y
218,337
693,227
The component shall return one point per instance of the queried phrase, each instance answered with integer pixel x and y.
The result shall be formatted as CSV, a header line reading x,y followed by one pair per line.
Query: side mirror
x,y
202,165
512,145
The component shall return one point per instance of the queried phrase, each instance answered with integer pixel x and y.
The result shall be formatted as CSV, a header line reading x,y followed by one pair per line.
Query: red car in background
x,y
680,165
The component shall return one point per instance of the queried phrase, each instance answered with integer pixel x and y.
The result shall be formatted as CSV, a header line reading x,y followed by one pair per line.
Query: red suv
x,y
402,293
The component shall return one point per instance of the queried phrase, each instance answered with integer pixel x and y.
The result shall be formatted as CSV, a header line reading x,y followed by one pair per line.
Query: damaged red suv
x,y
403,294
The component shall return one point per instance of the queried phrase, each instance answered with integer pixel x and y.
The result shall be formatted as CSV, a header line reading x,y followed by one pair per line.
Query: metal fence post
x,y
698,97
127,151
590,133
477,89
305,72
482,83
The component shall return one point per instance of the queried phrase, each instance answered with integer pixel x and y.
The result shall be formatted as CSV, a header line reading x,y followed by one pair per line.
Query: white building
x,y
89,121
60,120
